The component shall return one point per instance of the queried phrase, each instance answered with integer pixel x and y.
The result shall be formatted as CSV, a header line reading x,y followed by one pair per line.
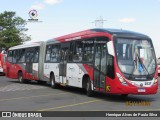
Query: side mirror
x,y
110,48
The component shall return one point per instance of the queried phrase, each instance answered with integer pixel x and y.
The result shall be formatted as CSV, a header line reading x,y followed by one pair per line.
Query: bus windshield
x,y
135,57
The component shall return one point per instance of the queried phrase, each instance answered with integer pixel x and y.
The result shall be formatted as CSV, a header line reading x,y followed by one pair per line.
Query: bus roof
x,y
87,34
27,45
98,32
120,32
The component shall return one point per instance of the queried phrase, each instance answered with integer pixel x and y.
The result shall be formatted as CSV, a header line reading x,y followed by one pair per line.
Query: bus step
x,y
64,84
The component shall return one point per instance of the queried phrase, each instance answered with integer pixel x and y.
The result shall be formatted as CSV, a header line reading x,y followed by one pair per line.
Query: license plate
x,y
141,90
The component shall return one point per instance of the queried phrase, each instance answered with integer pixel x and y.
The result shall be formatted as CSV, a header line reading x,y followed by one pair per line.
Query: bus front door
x,y
100,67
63,63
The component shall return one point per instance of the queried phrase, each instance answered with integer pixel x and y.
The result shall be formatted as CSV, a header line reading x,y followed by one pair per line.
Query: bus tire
x,y
20,77
88,88
52,81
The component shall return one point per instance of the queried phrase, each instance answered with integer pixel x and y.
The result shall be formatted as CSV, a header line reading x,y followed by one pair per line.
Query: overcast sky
x,y
60,17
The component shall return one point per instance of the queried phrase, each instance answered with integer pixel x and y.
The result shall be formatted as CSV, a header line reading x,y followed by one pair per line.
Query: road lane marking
x,y
70,105
31,96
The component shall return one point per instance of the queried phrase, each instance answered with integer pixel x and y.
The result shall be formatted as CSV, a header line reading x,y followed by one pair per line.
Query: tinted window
x,y
78,51
14,58
21,56
54,57
9,58
88,50
48,53
36,55
52,53
31,54
71,53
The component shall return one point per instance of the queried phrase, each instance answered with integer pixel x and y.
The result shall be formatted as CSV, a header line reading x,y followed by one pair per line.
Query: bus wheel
x,y
52,81
88,88
20,77
124,96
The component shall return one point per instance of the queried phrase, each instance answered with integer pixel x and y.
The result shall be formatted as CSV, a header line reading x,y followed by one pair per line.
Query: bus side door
x,y
29,63
100,67
64,53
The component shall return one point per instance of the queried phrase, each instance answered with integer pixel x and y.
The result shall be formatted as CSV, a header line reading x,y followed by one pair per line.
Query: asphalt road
x,y
37,97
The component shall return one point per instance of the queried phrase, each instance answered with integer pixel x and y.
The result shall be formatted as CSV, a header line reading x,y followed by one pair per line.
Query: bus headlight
x,y
155,80
121,79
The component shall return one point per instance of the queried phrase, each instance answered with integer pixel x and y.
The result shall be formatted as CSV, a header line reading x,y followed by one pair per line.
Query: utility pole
x,y
99,22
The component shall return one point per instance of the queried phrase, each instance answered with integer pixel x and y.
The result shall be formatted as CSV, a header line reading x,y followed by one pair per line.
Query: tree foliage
x,y
12,30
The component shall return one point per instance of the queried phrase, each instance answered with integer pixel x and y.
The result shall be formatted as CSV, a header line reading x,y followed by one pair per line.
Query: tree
x,y
12,30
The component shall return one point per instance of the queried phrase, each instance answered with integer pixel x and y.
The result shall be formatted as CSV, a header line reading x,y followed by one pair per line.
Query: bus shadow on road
x,y
32,83
2,74
109,97
119,98
97,95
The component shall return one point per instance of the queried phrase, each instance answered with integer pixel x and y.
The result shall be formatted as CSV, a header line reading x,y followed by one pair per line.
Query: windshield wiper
x,y
142,64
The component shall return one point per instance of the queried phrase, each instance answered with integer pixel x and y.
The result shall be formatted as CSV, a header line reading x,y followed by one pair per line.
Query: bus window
x,y
88,50
77,55
36,55
110,66
48,53
97,57
14,59
21,56
55,53
9,58
103,59
71,51
29,55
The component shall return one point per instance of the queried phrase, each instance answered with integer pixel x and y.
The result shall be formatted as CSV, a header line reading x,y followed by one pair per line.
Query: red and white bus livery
x,y
106,60
23,62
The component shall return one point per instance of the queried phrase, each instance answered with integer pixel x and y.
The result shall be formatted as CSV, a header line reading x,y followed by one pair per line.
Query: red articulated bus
x,y
105,60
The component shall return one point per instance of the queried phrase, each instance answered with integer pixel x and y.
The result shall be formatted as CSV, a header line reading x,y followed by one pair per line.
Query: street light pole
x,y
99,22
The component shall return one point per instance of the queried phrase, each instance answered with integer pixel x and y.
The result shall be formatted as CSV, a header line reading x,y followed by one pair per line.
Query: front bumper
x,y
137,90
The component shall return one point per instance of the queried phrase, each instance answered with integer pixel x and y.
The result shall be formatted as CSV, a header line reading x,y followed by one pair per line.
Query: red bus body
x,y
112,85
13,68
